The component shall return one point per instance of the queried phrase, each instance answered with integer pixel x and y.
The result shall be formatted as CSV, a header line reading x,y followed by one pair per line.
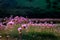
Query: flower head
x,y
24,26
10,24
19,28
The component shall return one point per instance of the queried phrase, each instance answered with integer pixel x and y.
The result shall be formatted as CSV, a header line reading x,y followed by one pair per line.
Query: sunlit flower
x,y
10,24
24,26
19,29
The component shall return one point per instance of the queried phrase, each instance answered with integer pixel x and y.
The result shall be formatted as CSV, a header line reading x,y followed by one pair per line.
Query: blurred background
x,y
30,8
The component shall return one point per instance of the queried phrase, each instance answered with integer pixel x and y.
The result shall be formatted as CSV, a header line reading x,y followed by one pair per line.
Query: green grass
x,y
33,33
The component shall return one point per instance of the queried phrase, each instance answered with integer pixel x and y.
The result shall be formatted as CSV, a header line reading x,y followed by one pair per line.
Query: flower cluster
x,y
11,21
25,22
23,26
43,25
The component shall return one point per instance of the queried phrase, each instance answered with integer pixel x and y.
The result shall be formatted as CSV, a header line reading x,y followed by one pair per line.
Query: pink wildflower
x,y
24,26
16,17
19,28
10,24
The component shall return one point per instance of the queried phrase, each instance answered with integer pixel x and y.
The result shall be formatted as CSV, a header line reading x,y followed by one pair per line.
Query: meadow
x,y
32,33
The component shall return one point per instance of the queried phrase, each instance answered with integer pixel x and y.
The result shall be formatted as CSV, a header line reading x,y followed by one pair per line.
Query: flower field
x,y
20,28
32,33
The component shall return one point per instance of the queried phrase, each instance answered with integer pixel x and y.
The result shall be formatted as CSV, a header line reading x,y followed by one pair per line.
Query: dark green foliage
x,y
8,4
39,36
30,0
12,7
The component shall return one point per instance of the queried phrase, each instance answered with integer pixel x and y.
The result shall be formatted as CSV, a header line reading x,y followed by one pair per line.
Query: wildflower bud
x,y
19,29
24,26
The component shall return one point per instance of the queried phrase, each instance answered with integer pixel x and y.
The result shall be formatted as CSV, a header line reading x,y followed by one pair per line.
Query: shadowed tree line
x,y
10,7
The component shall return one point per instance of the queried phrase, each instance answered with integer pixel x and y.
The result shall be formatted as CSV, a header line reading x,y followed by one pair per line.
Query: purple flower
x,y
19,28
10,23
24,26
